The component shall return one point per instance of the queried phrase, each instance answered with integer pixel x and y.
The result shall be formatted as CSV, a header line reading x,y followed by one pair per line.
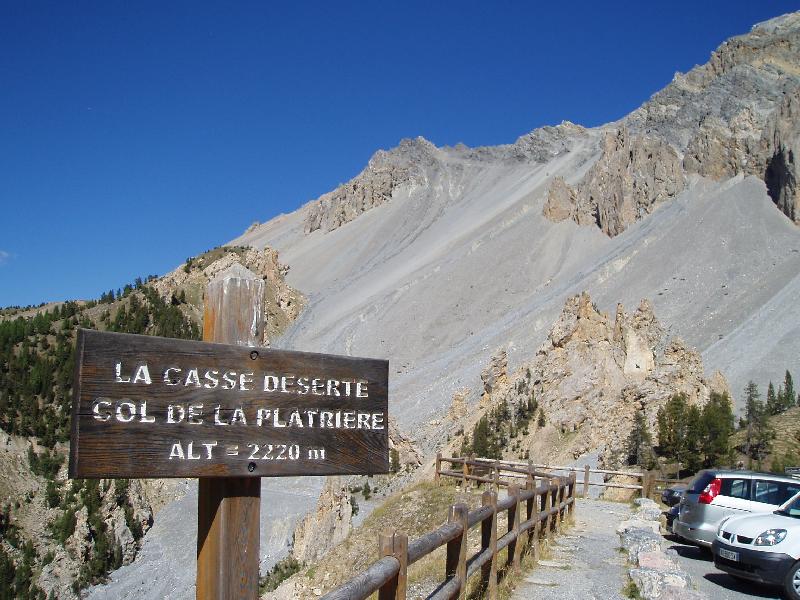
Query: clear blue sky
x,y
135,134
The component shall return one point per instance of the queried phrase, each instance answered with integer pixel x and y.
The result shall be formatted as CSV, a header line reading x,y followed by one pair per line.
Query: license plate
x,y
728,554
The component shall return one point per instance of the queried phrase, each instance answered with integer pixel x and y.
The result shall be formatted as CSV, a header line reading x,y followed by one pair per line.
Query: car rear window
x,y
736,488
700,482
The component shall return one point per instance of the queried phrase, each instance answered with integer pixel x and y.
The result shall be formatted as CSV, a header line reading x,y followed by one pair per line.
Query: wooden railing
x,y
534,511
500,473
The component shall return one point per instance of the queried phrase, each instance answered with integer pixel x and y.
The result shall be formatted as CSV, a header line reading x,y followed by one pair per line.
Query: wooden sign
x,y
155,407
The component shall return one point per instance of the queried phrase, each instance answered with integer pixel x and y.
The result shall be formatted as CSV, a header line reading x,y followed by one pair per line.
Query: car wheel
x,y
791,585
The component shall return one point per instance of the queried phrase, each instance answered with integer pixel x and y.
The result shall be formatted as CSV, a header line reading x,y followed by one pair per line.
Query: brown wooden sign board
x,y
155,407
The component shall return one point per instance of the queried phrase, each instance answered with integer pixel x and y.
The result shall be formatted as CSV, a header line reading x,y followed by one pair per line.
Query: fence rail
x,y
534,511
499,473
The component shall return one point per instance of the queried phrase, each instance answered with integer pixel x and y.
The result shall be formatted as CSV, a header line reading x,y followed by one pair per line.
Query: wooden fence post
x,y
552,515
396,545
537,528
228,509
438,466
515,547
557,513
497,476
489,540
645,483
572,489
586,481
456,561
464,474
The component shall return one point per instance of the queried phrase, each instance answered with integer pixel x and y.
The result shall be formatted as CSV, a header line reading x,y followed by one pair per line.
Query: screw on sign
x,y
227,413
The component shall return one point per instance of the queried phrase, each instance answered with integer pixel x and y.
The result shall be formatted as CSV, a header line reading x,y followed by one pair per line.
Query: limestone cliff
x,y
735,114
372,187
632,177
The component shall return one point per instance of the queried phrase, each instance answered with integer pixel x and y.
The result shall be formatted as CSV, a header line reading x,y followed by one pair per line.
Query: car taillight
x,y
712,489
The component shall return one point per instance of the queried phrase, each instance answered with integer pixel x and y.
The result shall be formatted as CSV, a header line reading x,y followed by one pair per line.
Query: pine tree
x,y
789,396
673,428
775,404
717,426
758,434
640,443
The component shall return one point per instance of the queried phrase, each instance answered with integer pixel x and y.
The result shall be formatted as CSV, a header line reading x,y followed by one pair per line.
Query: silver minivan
x,y
715,494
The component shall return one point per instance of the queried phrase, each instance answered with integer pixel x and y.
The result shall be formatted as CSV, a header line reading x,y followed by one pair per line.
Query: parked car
x,y
763,548
672,497
715,494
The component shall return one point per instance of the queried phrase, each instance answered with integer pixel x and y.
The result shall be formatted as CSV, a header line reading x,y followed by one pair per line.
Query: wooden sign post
x,y
227,413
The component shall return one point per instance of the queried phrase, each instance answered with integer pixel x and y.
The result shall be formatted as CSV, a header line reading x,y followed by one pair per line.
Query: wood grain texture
x,y
228,510
110,448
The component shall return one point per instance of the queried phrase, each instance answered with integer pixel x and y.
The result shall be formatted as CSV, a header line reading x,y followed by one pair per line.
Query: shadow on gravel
x,y
692,552
743,587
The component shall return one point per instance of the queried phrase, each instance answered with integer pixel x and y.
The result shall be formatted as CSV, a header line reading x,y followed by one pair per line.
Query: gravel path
x,y
585,562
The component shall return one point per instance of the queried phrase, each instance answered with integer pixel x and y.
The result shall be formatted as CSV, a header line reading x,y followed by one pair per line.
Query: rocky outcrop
x,y
282,303
385,172
408,452
753,145
782,140
496,373
593,375
326,527
632,177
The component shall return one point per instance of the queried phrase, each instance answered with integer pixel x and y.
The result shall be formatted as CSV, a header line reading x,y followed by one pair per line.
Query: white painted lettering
x,y
311,412
209,446
349,420
143,416
171,418
131,412
177,451
377,420
189,454
302,383
217,420
238,417
96,407
262,414
287,381
244,379
326,419
276,421
317,384
270,383
229,377
195,414
333,387
142,374
168,378
120,378
295,420
347,387
363,420
192,378
212,379
361,386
